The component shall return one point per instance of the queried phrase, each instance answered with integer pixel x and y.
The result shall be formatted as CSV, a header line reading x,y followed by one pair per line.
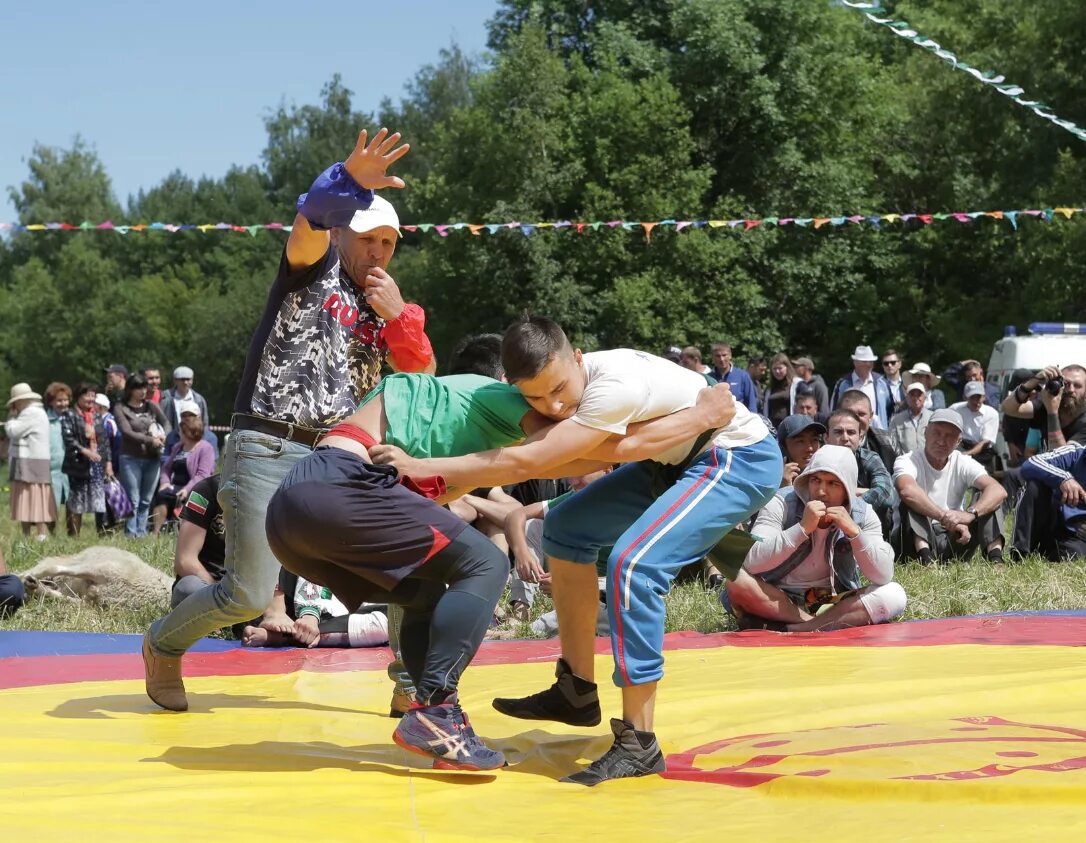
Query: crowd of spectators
x,y
878,468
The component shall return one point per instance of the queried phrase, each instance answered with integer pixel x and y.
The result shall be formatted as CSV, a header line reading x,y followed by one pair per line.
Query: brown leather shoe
x,y
401,704
162,677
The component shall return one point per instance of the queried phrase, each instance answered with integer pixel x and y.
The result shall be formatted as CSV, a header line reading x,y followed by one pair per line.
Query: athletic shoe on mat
x,y
442,732
632,754
570,700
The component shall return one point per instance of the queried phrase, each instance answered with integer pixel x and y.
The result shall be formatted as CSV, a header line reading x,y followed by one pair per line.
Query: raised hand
x,y
367,165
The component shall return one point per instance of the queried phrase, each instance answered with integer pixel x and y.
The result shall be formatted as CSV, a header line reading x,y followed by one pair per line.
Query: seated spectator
x,y
188,462
524,531
959,374
870,438
1023,441
813,543
1059,414
1060,418
807,405
780,396
936,523
691,359
740,382
870,383
874,483
922,372
907,427
304,614
27,429
815,385
799,436
201,541
12,593
1059,518
980,424
87,460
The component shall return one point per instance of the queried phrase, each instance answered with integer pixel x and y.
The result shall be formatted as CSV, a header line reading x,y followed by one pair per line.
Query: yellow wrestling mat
x,y
832,737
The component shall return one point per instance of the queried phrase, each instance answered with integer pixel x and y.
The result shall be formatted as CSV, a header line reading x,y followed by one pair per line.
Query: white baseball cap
x,y
974,388
186,406
102,401
379,213
916,386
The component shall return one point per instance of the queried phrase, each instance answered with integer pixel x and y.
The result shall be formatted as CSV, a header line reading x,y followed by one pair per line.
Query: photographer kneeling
x,y
1054,402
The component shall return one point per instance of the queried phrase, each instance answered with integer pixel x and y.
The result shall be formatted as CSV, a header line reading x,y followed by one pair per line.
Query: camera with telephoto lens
x,y
1054,385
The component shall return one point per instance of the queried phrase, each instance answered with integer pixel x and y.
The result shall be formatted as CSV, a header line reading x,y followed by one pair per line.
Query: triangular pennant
x,y
409,228
493,228
1012,218
820,221
443,230
527,229
1067,212
425,227
648,227
749,224
717,223
475,229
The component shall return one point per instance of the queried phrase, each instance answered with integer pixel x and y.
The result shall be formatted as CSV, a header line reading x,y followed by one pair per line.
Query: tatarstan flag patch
x,y
197,503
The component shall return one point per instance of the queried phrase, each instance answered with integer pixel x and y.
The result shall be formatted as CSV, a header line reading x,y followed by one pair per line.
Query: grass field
x,y
964,588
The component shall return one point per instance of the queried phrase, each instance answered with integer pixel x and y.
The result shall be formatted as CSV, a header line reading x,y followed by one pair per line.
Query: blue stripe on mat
x,y
31,644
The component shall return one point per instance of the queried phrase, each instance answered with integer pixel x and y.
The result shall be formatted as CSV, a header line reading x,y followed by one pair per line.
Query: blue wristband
x,y
333,199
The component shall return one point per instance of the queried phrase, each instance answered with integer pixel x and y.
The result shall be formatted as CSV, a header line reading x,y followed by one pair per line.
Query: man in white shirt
x,y
980,423
658,515
907,427
932,484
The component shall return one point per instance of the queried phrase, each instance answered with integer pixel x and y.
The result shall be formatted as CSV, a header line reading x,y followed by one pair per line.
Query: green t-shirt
x,y
450,416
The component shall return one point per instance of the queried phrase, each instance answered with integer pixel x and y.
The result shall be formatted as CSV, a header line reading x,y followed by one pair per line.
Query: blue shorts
x,y
655,537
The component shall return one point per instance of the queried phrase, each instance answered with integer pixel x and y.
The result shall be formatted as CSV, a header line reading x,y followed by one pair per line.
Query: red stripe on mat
x,y
1009,630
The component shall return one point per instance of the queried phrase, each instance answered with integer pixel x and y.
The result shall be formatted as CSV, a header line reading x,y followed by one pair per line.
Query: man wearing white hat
x,y
333,317
864,378
907,427
922,372
182,390
980,423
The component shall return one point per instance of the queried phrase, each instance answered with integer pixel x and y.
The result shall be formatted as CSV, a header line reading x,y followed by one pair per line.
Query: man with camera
x,y
1053,401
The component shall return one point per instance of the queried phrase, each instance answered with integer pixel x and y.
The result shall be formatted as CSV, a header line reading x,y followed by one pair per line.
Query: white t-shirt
x,y
982,426
946,488
625,387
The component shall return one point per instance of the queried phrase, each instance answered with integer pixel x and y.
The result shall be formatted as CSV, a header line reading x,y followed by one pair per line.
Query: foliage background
x,y
586,110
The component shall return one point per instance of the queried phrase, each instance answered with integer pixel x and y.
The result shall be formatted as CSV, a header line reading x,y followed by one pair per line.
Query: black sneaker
x,y
995,555
632,754
570,700
924,556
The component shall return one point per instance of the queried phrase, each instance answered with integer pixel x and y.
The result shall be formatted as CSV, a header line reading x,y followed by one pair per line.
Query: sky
x,y
156,87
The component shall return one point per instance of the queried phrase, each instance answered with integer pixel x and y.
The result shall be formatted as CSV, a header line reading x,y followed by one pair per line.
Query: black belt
x,y
284,430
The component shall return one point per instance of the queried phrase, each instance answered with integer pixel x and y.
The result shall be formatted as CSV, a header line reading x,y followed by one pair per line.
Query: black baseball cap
x,y
117,369
795,424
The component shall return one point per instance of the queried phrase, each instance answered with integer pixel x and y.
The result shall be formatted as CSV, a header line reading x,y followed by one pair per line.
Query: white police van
x,y
1047,344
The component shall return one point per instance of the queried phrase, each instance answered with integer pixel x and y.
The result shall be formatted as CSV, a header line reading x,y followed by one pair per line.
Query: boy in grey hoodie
x,y
813,543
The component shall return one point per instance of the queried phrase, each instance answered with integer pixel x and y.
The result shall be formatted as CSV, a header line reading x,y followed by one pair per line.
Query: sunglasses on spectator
x,y
891,362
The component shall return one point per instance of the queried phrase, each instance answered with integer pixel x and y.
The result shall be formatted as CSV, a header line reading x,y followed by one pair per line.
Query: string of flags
x,y
875,221
873,10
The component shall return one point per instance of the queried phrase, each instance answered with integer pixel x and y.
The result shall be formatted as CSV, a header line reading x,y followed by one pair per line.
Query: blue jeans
x,y
254,466
139,476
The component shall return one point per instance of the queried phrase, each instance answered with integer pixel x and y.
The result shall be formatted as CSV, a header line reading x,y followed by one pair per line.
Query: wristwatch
x,y
973,511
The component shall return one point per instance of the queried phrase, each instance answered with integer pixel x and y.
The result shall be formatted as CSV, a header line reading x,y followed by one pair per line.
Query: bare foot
x,y
277,623
254,636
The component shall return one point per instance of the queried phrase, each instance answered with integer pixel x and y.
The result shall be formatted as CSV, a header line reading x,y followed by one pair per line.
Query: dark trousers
x,y
982,533
12,593
448,604
1038,527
